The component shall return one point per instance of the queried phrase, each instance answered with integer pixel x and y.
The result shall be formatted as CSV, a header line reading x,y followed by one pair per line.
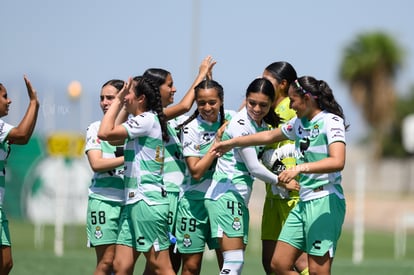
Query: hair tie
x,y
300,87
304,92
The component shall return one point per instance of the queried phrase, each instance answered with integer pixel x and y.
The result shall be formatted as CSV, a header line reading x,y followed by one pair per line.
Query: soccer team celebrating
x,y
168,182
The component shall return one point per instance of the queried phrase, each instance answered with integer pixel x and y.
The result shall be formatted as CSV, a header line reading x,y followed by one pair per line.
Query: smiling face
x,y
4,102
258,105
167,91
208,104
108,94
298,103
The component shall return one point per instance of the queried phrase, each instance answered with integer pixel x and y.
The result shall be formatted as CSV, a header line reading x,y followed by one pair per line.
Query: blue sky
x,y
56,42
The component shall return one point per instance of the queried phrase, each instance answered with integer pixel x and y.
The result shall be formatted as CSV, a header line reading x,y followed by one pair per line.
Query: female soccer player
x,y
279,202
145,215
315,224
174,164
198,133
106,192
228,196
9,134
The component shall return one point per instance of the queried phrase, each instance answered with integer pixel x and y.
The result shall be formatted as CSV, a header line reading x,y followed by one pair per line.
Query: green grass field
x,y
78,259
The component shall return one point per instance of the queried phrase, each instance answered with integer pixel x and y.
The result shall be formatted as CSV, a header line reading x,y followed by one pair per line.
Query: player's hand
x,y
220,131
288,174
206,67
221,147
292,185
30,90
125,89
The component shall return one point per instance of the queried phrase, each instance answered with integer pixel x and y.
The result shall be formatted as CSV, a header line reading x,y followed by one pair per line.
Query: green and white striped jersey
x,y
174,164
231,173
4,153
109,185
144,160
312,140
197,138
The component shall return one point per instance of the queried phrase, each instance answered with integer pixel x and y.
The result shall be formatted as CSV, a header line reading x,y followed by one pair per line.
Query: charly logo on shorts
x,y
236,224
98,232
187,241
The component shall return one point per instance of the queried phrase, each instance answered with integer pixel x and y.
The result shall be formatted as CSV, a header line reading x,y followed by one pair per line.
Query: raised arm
x,y
122,116
108,129
22,133
205,71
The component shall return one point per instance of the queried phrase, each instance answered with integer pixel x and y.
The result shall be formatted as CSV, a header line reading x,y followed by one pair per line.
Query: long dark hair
x,y
264,86
282,70
147,87
322,94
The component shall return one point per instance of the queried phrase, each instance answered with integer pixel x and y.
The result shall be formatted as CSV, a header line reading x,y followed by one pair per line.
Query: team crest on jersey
x,y
236,224
207,136
197,147
158,156
98,232
187,240
315,131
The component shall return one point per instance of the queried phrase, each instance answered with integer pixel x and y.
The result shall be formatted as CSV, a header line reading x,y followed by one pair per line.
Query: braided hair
x,y
147,87
322,94
159,76
204,85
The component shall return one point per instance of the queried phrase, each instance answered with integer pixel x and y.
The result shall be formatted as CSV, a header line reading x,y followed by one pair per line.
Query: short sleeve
x,y
139,125
92,140
288,129
4,130
190,140
335,129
